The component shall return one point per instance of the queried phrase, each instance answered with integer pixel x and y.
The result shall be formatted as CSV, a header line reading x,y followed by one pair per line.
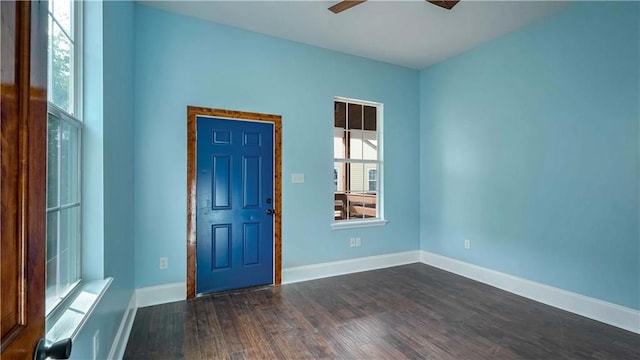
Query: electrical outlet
x,y
358,241
467,244
164,263
352,242
96,344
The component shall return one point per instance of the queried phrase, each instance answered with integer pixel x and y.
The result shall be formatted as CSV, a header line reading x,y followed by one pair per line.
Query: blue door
x,y
234,219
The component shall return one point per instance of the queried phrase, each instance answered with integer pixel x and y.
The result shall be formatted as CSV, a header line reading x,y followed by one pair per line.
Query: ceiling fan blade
x,y
344,5
447,4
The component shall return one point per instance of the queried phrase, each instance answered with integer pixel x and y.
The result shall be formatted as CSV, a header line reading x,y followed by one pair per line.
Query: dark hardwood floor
x,y
413,311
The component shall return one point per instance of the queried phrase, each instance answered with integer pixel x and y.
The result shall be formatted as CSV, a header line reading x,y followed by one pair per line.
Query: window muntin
x,y
357,159
64,130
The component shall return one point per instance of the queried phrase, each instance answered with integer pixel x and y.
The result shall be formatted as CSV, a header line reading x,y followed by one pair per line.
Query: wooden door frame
x,y
192,113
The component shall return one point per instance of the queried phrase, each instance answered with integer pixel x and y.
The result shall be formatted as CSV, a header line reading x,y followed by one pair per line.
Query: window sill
x,y
69,317
352,224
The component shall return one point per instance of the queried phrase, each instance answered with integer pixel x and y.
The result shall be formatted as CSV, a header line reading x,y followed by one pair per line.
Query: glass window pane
x,y
338,176
52,235
362,205
370,117
62,78
68,247
68,164
338,143
369,145
62,13
356,178
355,116
355,144
369,204
340,115
53,131
355,206
52,289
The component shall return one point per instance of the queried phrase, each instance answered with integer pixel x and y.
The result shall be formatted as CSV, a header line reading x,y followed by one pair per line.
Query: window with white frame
x,y
64,129
357,160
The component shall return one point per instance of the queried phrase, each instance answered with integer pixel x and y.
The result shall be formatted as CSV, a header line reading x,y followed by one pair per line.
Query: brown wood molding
x,y
192,113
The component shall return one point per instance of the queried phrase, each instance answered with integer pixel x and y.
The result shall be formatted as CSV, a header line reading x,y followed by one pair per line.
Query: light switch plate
x,y
297,178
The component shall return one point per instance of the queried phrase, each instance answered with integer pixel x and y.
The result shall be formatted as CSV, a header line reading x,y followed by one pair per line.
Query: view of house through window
x,y
63,151
356,160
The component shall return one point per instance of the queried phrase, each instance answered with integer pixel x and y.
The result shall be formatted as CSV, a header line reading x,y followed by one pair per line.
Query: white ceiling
x,y
411,33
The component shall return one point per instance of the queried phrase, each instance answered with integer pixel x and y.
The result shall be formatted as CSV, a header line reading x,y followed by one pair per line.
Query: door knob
x,y
270,211
59,350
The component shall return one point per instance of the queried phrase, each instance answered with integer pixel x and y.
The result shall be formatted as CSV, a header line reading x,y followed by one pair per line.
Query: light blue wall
x,y
182,61
108,151
529,148
92,145
118,142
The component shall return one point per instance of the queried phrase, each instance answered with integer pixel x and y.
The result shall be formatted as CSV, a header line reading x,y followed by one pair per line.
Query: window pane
x,y
369,145
370,118
62,80
52,235
62,13
340,114
53,131
355,144
68,164
69,221
353,203
363,145
52,290
338,143
357,180
338,176
52,255
355,116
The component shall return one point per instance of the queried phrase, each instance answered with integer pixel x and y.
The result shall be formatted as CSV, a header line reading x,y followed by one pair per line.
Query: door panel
x,y
251,180
221,248
221,182
23,102
234,190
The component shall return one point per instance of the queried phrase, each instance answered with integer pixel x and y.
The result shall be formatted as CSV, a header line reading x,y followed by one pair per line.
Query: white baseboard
x,y
606,312
122,336
334,268
161,294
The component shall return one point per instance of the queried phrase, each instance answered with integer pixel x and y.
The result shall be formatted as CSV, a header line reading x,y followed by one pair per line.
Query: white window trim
x,y
353,224
380,220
